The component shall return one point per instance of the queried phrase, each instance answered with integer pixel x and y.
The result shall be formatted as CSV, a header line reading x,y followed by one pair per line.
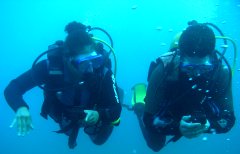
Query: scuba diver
x,y
79,88
189,90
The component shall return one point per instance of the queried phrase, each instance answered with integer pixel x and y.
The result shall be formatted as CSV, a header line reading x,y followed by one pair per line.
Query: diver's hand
x,y
191,130
23,121
91,117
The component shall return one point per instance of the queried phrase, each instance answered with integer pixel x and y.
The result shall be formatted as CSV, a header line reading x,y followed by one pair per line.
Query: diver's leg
x,y
71,129
101,135
155,140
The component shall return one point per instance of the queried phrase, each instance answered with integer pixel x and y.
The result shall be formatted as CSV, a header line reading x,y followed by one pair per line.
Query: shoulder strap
x,y
166,60
55,58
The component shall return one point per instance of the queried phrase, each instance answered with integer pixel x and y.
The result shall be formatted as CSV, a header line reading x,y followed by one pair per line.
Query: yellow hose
x,y
111,50
235,51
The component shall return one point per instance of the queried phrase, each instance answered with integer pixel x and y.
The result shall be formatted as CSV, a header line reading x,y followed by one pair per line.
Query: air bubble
x,y
163,44
134,7
194,86
159,28
134,151
224,22
204,138
213,131
224,46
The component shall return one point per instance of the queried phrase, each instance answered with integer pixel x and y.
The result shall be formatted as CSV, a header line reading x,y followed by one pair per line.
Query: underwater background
x,y
141,30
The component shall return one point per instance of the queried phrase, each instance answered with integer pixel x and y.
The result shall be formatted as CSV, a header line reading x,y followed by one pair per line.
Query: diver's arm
x,y
16,88
154,95
110,108
226,119
155,106
152,99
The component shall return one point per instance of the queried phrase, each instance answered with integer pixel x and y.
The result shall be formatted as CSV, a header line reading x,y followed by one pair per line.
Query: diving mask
x,y
196,66
86,60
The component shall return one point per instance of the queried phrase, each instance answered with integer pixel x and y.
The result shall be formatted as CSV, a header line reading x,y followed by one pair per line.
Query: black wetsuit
x,y
171,95
64,101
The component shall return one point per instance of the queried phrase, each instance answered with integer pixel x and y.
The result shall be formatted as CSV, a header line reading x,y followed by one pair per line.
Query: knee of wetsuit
x,y
138,108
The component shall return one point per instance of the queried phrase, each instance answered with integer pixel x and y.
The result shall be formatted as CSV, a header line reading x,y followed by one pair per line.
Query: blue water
x,y
141,30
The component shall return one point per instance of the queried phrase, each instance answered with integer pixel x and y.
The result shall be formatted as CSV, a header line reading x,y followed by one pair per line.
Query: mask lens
x,y
96,60
196,68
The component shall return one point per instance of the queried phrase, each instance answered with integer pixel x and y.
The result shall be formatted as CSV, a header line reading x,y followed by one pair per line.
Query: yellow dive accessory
x,y
116,122
174,43
139,93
